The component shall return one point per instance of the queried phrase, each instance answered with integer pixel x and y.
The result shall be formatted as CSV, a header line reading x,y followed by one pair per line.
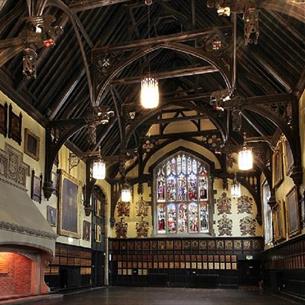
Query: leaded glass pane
x,y
192,187
171,188
161,218
204,217
183,165
182,218
193,217
160,186
171,218
181,188
182,183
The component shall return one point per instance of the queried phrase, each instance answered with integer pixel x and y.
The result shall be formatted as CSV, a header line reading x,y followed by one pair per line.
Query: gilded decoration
x,y
142,228
225,226
121,228
244,205
142,208
247,226
224,204
12,166
123,209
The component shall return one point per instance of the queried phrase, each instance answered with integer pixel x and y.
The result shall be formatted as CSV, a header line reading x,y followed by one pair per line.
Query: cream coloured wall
x,y
77,172
218,188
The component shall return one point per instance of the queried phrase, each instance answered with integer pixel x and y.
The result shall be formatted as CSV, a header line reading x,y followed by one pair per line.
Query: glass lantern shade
x,y
126,194
99,170
149,93
245,159
235,190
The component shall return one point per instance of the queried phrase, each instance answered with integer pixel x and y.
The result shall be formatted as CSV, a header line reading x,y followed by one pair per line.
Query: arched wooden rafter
x,y
179,47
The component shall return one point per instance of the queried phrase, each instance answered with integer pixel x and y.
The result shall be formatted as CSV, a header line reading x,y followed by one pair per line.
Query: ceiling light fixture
x,y
126,193
235,188
99,168
245,157
149,85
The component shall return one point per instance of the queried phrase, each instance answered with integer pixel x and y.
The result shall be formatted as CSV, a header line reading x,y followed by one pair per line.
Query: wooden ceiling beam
x,y
78,6
180,135
178,37
190,71
175,119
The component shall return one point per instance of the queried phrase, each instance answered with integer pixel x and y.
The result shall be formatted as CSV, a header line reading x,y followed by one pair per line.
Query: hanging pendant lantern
x,y
99,169
235,189
126,193
149,93
245,159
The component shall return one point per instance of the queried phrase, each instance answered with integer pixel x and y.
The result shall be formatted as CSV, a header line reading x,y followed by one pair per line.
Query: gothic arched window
x,y
181,195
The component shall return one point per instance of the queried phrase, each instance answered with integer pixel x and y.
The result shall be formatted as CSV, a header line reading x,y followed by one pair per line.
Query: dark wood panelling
x,y
285,267
188,262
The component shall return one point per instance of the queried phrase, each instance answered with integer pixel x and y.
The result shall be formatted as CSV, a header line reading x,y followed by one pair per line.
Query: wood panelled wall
x,y
189,262
70,268
285,267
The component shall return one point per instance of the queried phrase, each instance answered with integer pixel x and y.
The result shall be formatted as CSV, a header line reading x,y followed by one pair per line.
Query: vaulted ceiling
x,y
271,71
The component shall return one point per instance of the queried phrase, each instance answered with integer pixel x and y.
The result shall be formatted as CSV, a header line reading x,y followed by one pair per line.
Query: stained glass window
x,y
182,195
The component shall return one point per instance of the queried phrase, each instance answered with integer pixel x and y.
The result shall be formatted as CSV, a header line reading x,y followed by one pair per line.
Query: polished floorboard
x,y
170,296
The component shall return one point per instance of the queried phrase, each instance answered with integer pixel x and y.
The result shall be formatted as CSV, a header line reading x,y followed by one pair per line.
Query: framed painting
x,y
36,187
278,218
52,216
98,233
31,144
288,158
55,183
14,125
86,230
69,200
3,119
277,165
293,213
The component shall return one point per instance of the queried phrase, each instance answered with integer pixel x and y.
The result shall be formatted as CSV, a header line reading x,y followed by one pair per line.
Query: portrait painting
x,y
288,157
3,119
69,205
277,165
278,217
86,230
293,213
52,216
15,125
36,187
31,144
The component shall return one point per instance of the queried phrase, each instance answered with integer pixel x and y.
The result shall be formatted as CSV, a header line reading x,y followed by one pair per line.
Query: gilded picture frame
x,y
69,205
277,165
293,212
36,187
278,218
288,158
31,144
52,216
14,126
86,230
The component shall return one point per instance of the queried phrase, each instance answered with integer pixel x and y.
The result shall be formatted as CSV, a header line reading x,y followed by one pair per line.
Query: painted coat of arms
x,y
225,226
224,204
247,226
244,205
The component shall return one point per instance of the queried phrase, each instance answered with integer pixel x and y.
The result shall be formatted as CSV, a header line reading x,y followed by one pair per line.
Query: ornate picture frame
x,y
36,187
31,144
278,218
52,216
3,119
288,158
293,212
14,126
86,230
69,205
277,165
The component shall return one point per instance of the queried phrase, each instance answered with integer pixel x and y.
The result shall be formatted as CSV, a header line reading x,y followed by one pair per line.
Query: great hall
x,y
152,152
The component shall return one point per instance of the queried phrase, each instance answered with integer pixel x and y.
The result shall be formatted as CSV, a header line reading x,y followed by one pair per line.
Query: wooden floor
x,y
169,296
